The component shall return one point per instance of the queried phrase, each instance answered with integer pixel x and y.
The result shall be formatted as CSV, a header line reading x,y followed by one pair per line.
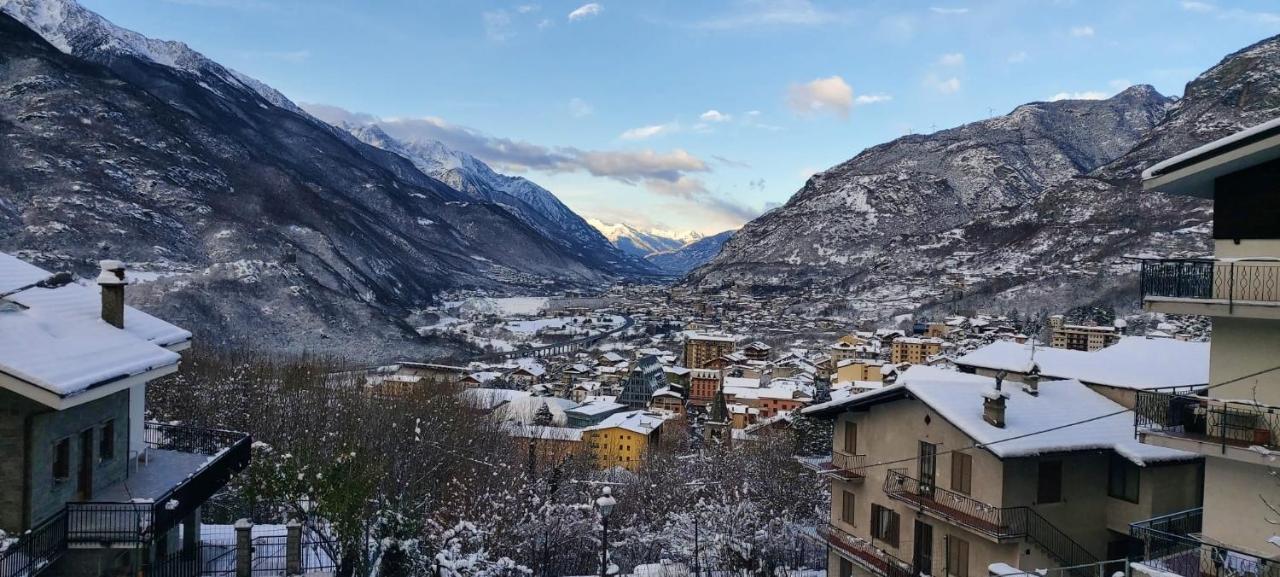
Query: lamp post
x,y
605,504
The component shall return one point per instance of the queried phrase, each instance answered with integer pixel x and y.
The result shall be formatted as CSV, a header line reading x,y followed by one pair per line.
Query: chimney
x,y
993,403
112,281
1031,382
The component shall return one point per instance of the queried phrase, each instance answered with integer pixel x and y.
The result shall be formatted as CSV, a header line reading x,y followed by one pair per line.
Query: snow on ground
x,y
510,306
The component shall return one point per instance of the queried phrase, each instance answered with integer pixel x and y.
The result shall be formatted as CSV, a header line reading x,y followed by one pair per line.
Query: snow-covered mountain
x,y
643,242
690,256
532,204
1034,209
250,220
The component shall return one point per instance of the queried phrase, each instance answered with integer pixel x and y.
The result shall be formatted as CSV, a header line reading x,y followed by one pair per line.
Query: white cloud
x,y
1017,57
627,166
1266,19
1119,84
1084,95
580,108
1192,6
684,187
949,85
945,10
862,99
750,13
831,94
586,11
497,25
527,8
647,132
951,59
714,115
1082,31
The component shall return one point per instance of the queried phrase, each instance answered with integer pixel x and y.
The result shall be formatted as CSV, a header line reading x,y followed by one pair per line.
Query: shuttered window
x,y
848,510
884,524
957,557
850,437
1049,486
961,472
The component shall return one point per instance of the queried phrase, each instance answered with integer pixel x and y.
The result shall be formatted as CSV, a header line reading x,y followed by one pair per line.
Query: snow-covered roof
x,y
525,409
596,407
957,397
1212,148
524,431
642,422
489,399
55,339
1131,363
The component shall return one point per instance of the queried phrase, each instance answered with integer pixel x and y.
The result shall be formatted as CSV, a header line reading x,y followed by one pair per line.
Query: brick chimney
x,y
993,403
1031,382
112,281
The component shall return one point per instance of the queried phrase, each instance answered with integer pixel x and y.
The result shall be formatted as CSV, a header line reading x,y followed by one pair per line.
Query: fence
x,y
1231,281
1169,546
1234,423
35,549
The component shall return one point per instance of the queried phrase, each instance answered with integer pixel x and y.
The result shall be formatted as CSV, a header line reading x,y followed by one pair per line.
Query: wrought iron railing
x,y
853,464
36,549
1170,545
230,451
1230,281
864,553
997,522
1227,423
106,522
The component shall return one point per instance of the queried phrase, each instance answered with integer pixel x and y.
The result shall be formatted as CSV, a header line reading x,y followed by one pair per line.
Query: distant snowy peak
x,y
76,30
644,242
690,256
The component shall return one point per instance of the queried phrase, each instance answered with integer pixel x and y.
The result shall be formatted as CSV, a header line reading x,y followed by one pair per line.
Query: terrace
x,y
1235,287
1206,425
1173,544
840,466
864,553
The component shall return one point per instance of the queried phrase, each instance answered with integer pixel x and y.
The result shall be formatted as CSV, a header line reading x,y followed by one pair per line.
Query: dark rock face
x,y
252,221
1034,209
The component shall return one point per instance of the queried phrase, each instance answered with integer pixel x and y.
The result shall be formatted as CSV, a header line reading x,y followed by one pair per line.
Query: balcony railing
x,y
839,465
1170,544
1000,523
36,549
1242,281
1227,423
865,554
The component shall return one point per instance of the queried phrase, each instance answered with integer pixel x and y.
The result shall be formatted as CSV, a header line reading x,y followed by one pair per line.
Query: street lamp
x,y
605,504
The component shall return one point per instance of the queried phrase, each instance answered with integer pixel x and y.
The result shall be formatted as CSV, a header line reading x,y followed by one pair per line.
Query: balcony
x,y
1000,524
841,466
1206,425
181,468
862,552
1244,287
1171,544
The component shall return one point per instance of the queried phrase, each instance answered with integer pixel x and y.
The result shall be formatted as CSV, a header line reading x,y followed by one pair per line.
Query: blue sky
x,y
694,115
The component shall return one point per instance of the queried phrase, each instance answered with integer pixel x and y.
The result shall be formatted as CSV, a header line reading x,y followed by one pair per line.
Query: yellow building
x,y
913,350
622,439
858,370
1080,337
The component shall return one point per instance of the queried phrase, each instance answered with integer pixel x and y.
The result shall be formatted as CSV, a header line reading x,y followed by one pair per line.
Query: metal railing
x,y
231,452
35,549
1227,423
999,523
855,465
1230,281
1170,545
105,522
864,553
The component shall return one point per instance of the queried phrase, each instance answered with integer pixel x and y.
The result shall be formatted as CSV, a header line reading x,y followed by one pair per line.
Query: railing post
x,y
293,548
244,548
1231,287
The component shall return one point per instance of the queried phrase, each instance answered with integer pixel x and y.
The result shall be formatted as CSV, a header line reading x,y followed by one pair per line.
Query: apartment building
x,y
622,439
87,485
1080,337
850,370
701,348
1235,423
703,384
946,473
914,350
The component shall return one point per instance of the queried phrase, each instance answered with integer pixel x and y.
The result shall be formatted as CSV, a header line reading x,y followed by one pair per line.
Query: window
x,y
961,472
850,437
1049,482
884,524
928,466
848,510
62,460
957,557
107,442
1122,479
846,567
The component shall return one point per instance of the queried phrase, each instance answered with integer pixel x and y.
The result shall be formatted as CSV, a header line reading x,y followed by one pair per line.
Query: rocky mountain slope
x,y
1034,209
251,221
643,242
527,201
690,256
